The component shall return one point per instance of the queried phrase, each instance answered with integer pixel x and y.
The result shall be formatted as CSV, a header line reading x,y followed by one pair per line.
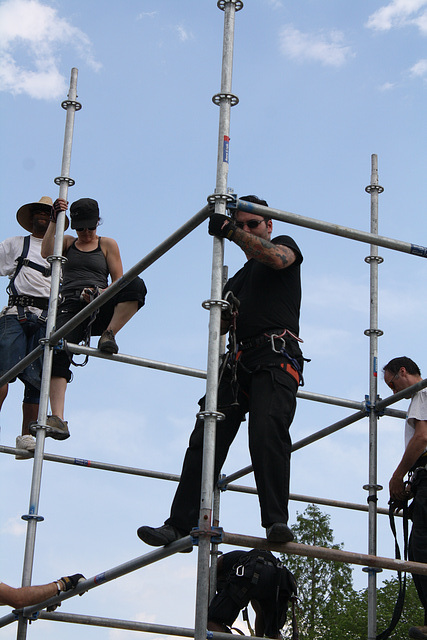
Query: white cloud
x,y
419,68
399,13
387,86
31,30
14,527
182,33
146,14
275,4
327,48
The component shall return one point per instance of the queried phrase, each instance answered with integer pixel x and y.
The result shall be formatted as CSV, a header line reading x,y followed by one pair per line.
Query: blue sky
x,y
322,86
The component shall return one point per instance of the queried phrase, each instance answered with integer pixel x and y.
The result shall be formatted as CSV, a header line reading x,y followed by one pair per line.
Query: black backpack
x,y
259,575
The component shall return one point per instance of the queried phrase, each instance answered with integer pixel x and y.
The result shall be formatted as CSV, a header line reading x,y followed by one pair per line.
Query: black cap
x,y
84,213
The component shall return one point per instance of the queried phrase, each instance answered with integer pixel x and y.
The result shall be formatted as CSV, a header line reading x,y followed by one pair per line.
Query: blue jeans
x,y
16,341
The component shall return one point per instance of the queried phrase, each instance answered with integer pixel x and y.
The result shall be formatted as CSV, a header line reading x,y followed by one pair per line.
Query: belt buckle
x,y
24,301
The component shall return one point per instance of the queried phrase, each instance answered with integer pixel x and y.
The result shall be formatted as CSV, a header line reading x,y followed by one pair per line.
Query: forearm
x,y
276,256
48,242
413,451
26,596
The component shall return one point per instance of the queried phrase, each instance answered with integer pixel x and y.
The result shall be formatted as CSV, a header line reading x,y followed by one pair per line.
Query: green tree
x,y
325,587
329,607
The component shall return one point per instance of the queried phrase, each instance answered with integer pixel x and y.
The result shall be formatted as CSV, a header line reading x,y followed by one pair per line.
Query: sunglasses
x,y
251,224
84,228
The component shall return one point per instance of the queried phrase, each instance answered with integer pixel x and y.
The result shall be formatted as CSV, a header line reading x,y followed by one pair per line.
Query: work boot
x,y
56,428
27,443
279,532
419,633
107,343
160,536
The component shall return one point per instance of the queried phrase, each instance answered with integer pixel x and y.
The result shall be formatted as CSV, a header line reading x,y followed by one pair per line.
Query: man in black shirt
x,y
262,378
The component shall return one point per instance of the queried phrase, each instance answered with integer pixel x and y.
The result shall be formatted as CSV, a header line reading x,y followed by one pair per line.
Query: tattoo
x,y
276,256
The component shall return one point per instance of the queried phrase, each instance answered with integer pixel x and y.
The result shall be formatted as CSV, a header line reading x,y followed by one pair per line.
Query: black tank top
x,y
84,269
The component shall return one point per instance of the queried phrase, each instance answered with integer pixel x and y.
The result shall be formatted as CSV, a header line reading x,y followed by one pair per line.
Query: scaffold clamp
x,y
368,405
372,570
31,617
222,484
216,534
238,4
71,103
31,516
208,304
60,179
210,414
379,412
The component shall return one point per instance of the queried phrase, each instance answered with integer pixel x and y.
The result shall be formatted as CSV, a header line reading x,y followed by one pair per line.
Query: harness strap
x,y
21,300
28,301
398,607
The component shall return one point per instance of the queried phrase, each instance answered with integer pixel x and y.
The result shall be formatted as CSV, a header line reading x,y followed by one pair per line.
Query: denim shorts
x,y
16,341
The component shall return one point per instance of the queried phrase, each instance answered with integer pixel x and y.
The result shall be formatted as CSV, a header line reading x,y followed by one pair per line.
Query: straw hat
x,y
25,213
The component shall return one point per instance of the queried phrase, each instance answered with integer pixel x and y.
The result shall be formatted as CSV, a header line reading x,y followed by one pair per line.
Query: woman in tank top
x,y
91,259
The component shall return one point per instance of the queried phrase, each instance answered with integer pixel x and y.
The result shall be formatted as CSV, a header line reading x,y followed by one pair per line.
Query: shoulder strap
x,y
19,262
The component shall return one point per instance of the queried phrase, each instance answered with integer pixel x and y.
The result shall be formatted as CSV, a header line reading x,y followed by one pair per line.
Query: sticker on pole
x,y
226,149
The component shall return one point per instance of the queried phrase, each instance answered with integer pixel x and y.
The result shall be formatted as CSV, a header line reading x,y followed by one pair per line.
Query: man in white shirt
x,y
399,374
23,320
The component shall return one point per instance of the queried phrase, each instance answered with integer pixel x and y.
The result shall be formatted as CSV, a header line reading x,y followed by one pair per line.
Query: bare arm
x,y
48,242
26,596
413,451
276,256
111,252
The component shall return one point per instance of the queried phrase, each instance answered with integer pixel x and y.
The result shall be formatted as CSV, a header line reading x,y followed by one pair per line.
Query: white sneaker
x,y
28,443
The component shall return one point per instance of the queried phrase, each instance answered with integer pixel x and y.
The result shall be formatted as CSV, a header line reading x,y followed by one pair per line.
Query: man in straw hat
x,y
23,320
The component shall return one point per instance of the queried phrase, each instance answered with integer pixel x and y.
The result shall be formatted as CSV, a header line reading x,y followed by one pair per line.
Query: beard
x,y
40,225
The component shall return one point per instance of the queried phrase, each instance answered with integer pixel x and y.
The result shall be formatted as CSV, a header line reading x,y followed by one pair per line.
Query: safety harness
x,y
394,507
242,586
21,301
92,292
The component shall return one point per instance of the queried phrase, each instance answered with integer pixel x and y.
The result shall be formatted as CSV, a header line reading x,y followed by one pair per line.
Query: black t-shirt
x,y
269,298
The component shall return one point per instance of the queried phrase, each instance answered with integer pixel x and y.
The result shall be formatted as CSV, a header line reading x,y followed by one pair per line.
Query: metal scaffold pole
x,y
225,100
373,332
64,181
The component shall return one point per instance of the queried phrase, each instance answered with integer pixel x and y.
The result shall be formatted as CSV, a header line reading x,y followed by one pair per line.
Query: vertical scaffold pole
x,y
373,332
64,181
225,100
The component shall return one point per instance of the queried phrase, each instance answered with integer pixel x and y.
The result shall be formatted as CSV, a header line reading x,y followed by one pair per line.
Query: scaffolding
x,y
208,536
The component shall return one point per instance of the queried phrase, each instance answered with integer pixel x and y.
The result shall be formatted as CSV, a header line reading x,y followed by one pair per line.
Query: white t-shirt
x,y
417,411
28,281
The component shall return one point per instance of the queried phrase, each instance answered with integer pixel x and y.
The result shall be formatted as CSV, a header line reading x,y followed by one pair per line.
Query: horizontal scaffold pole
x,y
324,553
332,228
102,578
173,477
131,625
119,284
132,273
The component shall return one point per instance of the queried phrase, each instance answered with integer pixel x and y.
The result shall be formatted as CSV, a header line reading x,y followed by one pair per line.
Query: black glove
x,y
221,226
70,582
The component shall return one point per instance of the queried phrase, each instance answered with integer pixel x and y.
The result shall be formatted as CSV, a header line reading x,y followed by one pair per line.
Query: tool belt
x,y
28,301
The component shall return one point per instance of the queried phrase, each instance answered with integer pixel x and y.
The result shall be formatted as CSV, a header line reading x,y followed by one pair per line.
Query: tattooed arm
x,y
276,256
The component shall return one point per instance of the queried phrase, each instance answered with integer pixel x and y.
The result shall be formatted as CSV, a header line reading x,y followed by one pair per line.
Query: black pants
x,y
417,550
267,392
70,306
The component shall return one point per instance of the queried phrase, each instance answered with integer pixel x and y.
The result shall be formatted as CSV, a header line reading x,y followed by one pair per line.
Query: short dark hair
x,y
255,200
402,361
